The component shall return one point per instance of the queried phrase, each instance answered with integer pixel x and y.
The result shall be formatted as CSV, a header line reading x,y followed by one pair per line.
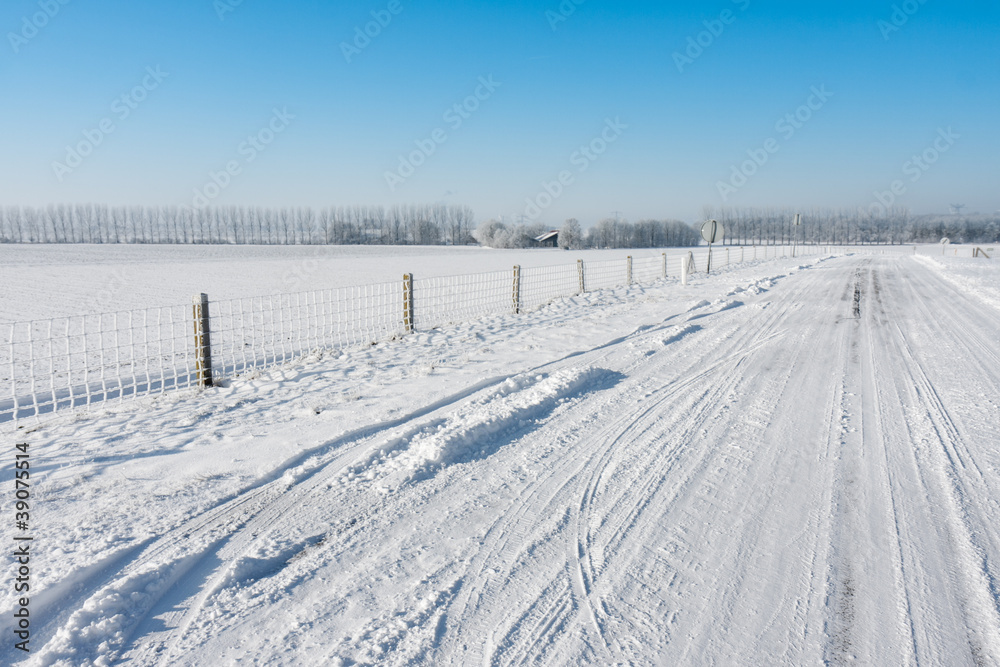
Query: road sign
x,y
712,231
798,219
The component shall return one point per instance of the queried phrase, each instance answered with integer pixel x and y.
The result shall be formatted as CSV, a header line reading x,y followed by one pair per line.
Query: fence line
x,y
70,362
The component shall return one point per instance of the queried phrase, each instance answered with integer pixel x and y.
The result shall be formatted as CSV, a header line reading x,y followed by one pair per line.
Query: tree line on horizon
x,y
608,233
336,225
749,226
440,224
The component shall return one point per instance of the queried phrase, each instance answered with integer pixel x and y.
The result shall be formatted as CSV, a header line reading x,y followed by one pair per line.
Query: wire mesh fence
x,y
543,285
649,269
449,300
76,361
605,275
263,331
59,364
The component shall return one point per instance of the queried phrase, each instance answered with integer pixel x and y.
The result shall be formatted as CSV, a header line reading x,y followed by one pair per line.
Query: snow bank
x,y
977,277
479,428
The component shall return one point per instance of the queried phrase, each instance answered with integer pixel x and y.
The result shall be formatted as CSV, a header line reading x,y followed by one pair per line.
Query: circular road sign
x,y
712,231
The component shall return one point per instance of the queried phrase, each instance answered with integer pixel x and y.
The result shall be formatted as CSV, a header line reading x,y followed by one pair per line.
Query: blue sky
x,y
669,127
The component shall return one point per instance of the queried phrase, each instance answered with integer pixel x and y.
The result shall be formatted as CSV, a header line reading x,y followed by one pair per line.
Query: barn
x,y
548,239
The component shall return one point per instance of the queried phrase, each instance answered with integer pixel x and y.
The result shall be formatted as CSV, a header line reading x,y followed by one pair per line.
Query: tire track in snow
x,y
440,441
949,473
721,377
508,533
627,427
908,578
505,539
122,600
722,535
498,535
865,491
624,429
587,575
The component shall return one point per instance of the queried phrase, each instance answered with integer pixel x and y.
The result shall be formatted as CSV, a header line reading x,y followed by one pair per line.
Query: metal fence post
x,y
583,284
664,265
202,341
408,302
628,271
517,290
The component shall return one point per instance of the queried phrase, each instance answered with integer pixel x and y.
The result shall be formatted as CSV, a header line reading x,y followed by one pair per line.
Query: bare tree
x,y
571,235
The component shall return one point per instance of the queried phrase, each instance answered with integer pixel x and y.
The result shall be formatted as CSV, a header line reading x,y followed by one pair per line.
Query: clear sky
x,y
677,105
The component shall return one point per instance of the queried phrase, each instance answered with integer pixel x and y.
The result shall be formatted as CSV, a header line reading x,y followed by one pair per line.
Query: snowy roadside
x,y
977,277
108,481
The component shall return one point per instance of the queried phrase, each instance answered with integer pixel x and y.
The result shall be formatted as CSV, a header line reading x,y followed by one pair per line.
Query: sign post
x,y
711,231
795,232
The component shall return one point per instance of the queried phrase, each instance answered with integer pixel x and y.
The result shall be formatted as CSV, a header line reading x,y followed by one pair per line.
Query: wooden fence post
x,y
583,283
628,271
408,303
202,341
517,290
664,265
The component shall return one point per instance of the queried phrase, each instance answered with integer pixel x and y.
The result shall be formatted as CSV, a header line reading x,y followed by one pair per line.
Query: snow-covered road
x,y
800,468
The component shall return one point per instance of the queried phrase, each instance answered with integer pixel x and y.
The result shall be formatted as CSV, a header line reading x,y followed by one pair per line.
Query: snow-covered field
x,y
81,279
788,462
48,281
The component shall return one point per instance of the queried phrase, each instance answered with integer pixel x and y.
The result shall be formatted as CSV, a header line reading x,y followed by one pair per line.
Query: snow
x,y
740,471
88,279
976,276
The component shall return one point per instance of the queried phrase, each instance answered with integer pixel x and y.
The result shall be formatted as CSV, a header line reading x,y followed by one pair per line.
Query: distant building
x,y
548,239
